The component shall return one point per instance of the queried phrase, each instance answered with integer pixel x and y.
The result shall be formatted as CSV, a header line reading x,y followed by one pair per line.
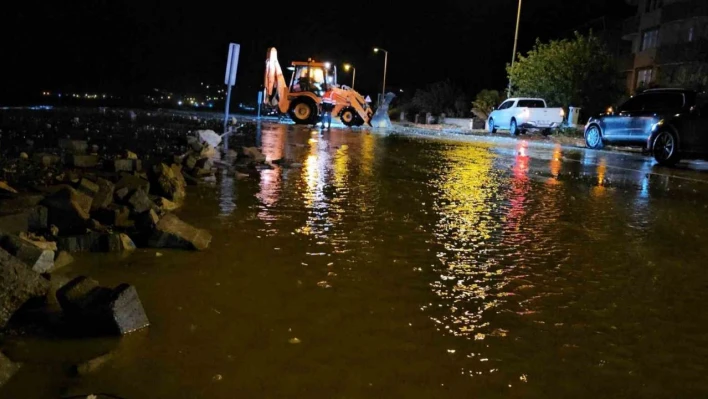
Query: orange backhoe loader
x,y
301,99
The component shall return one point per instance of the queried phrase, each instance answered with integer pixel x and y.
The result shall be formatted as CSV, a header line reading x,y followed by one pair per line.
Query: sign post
x,y
230,77
260,99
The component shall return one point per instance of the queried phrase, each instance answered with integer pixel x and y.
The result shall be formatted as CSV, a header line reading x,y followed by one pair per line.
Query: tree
x,y
441,97
485,102
578,72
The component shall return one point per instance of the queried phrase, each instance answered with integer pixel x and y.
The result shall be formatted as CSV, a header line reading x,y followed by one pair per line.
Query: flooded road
x,y
395,267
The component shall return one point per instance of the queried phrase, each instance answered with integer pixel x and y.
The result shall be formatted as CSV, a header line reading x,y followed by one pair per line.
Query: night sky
x,y
114,45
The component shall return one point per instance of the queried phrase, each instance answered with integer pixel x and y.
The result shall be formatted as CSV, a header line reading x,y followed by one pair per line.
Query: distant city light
x,y
179,102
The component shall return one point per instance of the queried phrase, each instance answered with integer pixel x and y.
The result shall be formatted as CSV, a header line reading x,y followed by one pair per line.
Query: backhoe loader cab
x,y
312,77
301,98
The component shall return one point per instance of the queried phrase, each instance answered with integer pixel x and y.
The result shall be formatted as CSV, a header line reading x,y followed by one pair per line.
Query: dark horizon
x,y
131,47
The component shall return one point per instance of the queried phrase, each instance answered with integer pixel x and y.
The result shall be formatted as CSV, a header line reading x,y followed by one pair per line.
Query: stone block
x,y
18,284
171,232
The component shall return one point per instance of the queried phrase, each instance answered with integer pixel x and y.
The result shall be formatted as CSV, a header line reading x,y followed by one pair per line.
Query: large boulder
x,y
68,209
18,284
168,182
171,232
101,310
38,257
104,195
96,242
30,219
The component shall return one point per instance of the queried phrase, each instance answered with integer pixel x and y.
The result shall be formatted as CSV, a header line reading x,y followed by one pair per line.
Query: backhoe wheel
x,y
303,111
358,121
349,116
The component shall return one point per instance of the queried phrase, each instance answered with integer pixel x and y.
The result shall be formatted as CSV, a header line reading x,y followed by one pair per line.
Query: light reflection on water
x,y
422,269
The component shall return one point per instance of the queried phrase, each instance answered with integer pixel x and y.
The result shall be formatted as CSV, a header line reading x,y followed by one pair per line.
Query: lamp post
x,y
516,39
347,67
383,92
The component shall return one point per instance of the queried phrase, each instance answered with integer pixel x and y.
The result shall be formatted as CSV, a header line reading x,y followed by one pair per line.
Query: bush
x,y
485,102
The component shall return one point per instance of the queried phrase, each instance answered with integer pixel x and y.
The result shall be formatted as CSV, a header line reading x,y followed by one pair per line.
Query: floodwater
x,y
394,267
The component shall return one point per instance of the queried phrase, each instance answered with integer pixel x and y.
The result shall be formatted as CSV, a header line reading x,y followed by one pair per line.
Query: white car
x,y
521,114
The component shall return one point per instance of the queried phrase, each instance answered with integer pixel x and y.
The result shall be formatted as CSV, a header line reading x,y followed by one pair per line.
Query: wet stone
x,y
127,165
91,366
32,219
83,161
171,232
169,182
38,259
19,203
140,202
102,310
68,209
96,242
132,183
114,215
88,187
73,146
165,204
46,160
104,196
18,284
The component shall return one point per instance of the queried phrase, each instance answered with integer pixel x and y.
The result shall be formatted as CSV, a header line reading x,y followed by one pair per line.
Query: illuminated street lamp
x,y
347,67
383,93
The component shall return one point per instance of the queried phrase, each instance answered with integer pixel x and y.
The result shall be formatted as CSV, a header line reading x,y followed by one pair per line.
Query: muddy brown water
x,y
392,267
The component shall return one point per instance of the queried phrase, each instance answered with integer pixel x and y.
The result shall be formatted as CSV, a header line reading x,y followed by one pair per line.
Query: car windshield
x,y
531,104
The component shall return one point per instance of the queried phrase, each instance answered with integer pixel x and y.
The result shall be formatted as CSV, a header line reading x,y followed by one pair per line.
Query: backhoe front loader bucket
x,y
381,118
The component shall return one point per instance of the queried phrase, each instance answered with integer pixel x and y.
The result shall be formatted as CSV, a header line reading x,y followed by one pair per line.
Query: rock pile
x,y
76,196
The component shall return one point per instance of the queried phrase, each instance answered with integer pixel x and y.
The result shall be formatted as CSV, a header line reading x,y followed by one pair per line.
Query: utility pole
x,y
516,40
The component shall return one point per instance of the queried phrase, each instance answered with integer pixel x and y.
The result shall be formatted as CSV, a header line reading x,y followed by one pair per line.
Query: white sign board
x,y
232,64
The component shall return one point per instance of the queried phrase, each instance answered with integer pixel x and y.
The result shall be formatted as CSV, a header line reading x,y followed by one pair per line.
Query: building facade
x,y
669,41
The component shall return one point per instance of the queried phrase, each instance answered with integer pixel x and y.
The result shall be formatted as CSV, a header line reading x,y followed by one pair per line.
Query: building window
x,y
650,39
644,77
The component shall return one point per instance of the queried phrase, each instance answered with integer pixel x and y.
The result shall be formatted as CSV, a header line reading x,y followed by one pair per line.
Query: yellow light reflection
x,y
468,190
601,171
556,163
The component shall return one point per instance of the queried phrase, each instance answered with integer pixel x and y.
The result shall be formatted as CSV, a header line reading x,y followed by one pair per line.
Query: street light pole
x,y
383,92
516,39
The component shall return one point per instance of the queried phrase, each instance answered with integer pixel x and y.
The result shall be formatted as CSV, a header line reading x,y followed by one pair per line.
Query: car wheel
x,y
593,137
492,128
665,148
513,128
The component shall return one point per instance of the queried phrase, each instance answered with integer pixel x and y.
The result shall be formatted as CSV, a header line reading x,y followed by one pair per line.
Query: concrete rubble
x,y
62,196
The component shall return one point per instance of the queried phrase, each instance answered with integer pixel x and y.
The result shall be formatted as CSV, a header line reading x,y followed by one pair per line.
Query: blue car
x,y
671,124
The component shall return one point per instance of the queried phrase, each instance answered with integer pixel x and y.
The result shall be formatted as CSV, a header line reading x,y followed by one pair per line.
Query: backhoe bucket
x,y
381,118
